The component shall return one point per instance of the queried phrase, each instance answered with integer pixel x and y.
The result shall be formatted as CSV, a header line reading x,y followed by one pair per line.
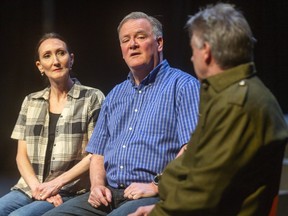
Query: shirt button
x,y
130,128
242,83
121,167
124,146
140,92
121,185
205,85
136,110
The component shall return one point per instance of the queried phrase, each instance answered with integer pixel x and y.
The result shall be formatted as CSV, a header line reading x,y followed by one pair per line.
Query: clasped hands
x,y
101,195
49,192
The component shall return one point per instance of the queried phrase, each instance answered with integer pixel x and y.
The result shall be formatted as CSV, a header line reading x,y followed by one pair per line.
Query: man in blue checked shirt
x,y
144,123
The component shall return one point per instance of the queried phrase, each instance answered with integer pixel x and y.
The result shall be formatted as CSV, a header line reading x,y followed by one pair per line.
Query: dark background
x,y
90,27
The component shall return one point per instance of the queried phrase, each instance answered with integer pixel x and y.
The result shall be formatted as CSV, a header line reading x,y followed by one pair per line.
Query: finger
x,y
136,196
57,202
93,197
130,196
93,201
129,189
104,201
127,192
39,196
108,195
43,196
96,204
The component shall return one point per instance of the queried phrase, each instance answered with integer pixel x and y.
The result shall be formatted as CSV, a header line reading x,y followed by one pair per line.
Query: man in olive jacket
x,y
232,164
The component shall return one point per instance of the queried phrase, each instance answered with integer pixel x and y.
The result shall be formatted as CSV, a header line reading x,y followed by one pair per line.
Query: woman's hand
x,y
46,189
55,200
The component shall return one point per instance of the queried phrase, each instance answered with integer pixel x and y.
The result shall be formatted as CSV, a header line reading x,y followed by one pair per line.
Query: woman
x,y
52,130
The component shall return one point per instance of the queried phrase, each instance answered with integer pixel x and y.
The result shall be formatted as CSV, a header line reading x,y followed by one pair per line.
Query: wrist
x,y
154,187
156,179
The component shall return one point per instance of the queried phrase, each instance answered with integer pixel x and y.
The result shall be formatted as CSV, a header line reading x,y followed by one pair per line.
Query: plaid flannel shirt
x,y
73,129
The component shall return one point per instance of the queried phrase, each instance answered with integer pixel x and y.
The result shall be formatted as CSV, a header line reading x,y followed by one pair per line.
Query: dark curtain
x,y
90,27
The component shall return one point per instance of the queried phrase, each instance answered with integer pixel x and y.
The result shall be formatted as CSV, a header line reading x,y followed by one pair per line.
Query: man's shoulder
x,y
180,74
182,78
119,88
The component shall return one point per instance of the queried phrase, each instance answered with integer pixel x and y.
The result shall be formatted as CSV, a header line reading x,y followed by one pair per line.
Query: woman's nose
x,y
55,59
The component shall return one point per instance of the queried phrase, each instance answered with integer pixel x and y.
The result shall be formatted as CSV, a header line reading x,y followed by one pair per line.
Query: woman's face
x,y
54,59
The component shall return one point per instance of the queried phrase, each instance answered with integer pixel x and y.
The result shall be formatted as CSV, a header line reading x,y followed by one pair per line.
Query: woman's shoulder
x,y
88,89
44,93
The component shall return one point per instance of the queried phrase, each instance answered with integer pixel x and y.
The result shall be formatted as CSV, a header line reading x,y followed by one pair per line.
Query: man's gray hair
x,y
227,32
155,23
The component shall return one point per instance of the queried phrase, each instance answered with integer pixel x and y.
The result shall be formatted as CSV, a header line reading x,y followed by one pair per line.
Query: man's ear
x,y
160,43
207,52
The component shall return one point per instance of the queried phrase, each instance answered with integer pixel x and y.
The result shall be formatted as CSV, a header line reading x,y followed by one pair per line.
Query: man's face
x,y
140,47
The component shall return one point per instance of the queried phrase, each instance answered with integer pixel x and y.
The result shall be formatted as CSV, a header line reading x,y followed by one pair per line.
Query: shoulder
x,y
86,91
237,92
182,76
120,88
44,93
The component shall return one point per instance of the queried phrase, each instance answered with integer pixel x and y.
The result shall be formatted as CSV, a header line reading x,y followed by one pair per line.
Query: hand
x,y
45,190
55,200
100,195
182,150
138,190
143,211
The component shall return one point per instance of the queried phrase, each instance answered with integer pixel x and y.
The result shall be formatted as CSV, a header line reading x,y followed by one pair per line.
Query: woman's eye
x,y
46,56
61,53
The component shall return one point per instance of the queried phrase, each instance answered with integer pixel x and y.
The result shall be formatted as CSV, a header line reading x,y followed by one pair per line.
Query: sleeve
x,y
96,101
187,110
20,126
211,166
100,135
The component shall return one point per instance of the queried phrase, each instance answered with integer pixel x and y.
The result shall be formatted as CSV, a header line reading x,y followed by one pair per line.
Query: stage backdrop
x,y
90,27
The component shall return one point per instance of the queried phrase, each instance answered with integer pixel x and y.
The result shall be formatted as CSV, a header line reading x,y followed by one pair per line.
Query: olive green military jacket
x,y
233,161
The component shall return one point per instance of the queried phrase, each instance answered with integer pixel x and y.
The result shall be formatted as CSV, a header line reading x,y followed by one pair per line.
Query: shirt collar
x,y
230,76
74,92
151,77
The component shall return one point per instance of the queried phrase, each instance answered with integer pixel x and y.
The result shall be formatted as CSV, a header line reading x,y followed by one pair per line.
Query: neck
x,y
59,90
140,73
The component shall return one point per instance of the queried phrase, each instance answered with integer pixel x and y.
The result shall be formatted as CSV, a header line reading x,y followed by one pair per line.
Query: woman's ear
x,y
71,60
40,68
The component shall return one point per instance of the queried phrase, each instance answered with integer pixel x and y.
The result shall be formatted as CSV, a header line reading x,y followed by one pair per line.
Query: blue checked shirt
x,y
141,128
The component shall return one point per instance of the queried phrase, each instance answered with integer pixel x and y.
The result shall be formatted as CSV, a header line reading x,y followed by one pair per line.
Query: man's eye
x,y
46,56
141,37
125,40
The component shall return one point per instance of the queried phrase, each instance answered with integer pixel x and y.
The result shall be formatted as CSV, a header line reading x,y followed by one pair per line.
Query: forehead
x,y
135,25
195,41
52,43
